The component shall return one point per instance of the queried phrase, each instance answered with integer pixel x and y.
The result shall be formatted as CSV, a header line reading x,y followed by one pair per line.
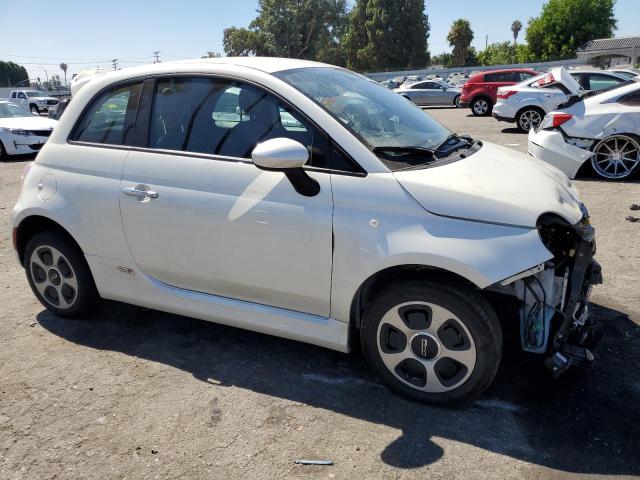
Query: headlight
x,y
16,131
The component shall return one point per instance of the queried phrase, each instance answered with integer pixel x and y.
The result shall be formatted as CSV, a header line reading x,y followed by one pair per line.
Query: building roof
x,y
610,44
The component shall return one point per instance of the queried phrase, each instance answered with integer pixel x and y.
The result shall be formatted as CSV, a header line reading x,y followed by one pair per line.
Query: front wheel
x,y
59,275
480,107
438,344
616,157
34,109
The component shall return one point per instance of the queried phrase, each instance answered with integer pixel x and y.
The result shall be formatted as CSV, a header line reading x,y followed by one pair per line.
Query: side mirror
x,y
279,154
287,156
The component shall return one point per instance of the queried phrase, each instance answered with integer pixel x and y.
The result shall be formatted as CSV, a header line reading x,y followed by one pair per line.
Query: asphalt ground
x,y
135,393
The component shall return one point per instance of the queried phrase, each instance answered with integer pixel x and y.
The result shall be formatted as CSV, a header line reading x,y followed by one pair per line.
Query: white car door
x,y
210,220
21,99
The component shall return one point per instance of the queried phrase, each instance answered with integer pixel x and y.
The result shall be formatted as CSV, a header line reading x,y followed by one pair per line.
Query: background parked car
x,y
22,132
528,102
604,128
33,100
431,92
625,72
480,91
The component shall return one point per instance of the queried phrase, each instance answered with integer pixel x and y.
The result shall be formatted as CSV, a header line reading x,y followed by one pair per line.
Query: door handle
x,y
549,95
140,191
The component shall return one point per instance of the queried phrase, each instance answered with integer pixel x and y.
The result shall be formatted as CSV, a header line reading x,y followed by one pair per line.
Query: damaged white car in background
x,y
603,130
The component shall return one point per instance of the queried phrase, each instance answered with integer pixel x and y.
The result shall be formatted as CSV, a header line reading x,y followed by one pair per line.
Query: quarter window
x,y
110,118
227,118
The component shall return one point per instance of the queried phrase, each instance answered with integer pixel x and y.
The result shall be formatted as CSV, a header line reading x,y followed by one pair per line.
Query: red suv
x,y
480,91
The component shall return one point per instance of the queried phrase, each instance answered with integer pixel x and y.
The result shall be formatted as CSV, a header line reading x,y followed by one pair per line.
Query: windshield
x,y
9,110
36,94
374,114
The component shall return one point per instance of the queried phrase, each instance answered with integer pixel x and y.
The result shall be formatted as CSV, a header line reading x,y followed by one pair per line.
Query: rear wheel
x,y
481,106
433,343
59,275
528,119
616,157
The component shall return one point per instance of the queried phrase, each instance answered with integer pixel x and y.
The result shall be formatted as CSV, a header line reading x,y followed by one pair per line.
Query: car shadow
x,y
585,422
513,130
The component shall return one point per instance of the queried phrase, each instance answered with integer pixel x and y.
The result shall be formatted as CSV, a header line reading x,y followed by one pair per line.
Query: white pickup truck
x,y
34,100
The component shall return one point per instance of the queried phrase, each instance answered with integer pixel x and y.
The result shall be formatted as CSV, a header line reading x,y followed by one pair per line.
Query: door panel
x,y
230,229
220,225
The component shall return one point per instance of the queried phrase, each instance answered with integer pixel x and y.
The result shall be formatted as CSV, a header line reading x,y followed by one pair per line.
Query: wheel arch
x,y
34,224
530,107
397,273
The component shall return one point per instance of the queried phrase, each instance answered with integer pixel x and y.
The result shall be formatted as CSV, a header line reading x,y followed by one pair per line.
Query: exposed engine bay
x,y
554,296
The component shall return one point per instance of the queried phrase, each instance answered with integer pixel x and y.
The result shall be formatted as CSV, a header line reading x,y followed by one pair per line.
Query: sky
x,y
90,33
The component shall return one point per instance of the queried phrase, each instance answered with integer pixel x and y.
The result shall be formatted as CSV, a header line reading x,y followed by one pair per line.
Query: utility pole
x,y
114,62
157,55
486,41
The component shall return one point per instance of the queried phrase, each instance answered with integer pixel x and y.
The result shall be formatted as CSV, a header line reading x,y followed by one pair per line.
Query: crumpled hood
x,y
496,184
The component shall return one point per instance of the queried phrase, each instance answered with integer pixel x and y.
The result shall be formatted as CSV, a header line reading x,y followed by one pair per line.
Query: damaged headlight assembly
x,y
553,297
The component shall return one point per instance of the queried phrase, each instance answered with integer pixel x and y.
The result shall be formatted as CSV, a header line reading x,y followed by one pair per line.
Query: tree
x,y
516,26
565,25
387,35
443,59
12,73
503,53
309,29
63,67
211,54
460,37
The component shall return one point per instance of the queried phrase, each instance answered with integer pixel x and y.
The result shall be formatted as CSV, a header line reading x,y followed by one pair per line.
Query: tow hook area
x,y
577,335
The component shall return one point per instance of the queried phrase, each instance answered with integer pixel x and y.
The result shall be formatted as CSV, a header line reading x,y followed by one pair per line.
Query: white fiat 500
x,y
302,200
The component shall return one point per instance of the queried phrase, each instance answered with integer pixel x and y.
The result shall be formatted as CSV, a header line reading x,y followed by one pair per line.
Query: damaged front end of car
x,y
553,297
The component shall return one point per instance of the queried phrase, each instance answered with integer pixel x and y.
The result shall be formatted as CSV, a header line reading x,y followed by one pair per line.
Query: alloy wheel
x,y
480,106
54,277
426,347
529,119
616,157
457,102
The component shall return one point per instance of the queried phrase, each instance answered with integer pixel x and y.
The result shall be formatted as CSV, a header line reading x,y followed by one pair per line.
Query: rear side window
x,y
499,77
598,81
632,100
110,119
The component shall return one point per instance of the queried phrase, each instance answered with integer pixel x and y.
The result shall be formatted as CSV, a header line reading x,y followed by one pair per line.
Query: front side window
x,y
21,95
631,100
110,118
376,115
226,118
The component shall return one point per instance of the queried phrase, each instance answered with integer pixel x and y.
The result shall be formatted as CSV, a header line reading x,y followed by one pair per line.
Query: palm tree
x,y
63,67
516,26
460,37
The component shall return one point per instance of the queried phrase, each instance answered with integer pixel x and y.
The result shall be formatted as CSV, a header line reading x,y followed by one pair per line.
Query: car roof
x,y
499,70
265,64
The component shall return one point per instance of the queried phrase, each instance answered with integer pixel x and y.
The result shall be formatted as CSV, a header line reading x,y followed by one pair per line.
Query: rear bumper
x,y
551,147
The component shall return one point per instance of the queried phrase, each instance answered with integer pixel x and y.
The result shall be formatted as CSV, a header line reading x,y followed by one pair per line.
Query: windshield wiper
x,y
403,149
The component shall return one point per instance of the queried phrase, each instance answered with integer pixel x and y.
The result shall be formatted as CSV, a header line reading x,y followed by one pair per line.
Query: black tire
x,y
85,298
456,101
481,106
3,152
528,116
471,309
34,108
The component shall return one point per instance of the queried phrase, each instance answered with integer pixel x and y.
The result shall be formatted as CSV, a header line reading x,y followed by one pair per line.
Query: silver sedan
x,y
429,92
